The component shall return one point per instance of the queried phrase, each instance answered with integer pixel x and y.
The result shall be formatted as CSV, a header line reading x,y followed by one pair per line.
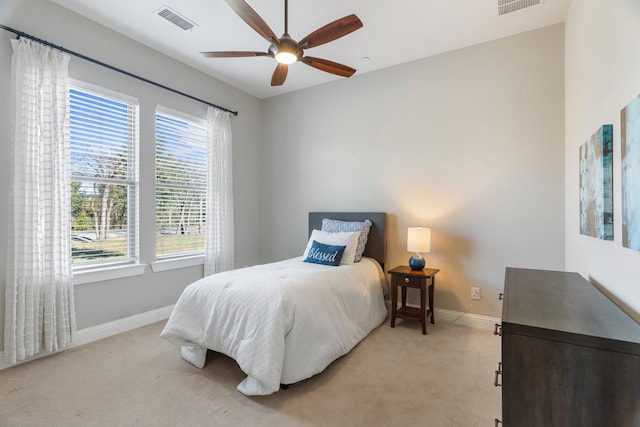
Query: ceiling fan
x,y
285,49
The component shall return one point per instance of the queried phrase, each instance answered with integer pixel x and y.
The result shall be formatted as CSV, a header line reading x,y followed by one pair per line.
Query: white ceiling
x,y
394,32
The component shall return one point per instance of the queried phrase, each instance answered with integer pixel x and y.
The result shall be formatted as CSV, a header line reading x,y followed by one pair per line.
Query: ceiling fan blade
x,y
331,31
279,75
252,18
329,66
233,54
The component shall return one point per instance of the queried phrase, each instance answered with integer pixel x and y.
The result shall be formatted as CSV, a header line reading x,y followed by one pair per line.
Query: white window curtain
x,y
39,313
218,254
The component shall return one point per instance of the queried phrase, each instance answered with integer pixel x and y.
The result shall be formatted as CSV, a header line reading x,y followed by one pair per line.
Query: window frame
x,y
91,271
165,262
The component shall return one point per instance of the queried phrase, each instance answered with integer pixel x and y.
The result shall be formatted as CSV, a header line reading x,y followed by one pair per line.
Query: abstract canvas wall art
x,y
630,165
596,185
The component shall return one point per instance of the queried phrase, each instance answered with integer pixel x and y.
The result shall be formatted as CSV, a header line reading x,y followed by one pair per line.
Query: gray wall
x,y
101,302
470,143
602,77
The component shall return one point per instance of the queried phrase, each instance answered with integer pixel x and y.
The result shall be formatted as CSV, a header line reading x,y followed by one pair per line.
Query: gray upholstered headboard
x,y
376,244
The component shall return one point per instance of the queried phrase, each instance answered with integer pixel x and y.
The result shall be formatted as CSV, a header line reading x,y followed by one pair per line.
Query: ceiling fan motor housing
x,y
286,44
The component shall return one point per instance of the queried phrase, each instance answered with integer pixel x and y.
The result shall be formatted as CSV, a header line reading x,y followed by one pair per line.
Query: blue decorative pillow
x,y
335,225
325,254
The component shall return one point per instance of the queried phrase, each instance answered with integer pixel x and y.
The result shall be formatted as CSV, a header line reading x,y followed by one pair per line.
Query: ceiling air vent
x,y
508,6
175,18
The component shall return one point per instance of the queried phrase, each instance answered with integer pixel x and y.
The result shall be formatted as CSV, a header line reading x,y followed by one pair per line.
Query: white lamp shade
x,y
419,239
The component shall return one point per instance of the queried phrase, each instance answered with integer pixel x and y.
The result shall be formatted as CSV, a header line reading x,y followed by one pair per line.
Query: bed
x,y
286,321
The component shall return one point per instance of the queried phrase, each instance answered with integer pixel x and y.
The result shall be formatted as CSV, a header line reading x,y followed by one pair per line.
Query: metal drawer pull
x,y
500,296
498,372
497,330
407,280
498,422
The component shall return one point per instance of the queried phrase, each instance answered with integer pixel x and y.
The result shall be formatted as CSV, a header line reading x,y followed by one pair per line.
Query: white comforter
x,y
282,322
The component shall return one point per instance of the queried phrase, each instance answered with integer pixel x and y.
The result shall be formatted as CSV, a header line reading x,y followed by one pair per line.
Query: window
x,y
181,185
104,141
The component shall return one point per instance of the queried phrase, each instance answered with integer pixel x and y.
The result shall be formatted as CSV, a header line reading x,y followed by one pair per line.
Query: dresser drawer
x,y
408,281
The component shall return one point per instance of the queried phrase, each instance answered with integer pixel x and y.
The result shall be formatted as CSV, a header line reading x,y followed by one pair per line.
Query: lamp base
x,y
416,262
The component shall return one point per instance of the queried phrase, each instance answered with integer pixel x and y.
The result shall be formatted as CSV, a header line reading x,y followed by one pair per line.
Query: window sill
x,y
175,263
100,274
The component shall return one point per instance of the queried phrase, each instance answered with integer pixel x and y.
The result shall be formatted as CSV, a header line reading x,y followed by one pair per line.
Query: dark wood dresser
x,y
570,356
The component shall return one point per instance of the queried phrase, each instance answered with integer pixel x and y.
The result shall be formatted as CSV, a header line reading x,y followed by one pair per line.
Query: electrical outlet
x,y
475,293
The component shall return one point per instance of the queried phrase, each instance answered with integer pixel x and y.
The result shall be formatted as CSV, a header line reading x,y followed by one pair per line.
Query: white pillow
x,y
348,239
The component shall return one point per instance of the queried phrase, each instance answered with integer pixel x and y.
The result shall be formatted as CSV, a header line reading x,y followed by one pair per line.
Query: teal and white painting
x,y
596,185
630,165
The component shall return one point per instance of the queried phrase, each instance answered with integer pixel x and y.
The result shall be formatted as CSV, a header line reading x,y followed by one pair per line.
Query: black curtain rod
x,y
111,67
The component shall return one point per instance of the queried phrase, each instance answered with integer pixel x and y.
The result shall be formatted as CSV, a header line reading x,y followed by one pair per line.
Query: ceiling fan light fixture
x,y
285,57
288,50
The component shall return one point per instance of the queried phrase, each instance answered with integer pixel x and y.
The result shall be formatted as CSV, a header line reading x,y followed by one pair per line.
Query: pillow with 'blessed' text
x,y
348,239
325,254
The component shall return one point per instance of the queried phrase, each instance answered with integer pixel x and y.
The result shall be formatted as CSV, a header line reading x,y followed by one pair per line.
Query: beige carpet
x,y
394,377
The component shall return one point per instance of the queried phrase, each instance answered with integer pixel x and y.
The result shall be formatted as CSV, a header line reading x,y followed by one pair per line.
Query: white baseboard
x,y
466,319
104,330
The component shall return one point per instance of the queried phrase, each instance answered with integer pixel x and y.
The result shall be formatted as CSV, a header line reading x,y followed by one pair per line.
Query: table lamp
x,y
418,241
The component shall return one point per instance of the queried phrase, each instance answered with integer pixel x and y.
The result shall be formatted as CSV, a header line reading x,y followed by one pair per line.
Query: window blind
x,y
181,185
103,136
